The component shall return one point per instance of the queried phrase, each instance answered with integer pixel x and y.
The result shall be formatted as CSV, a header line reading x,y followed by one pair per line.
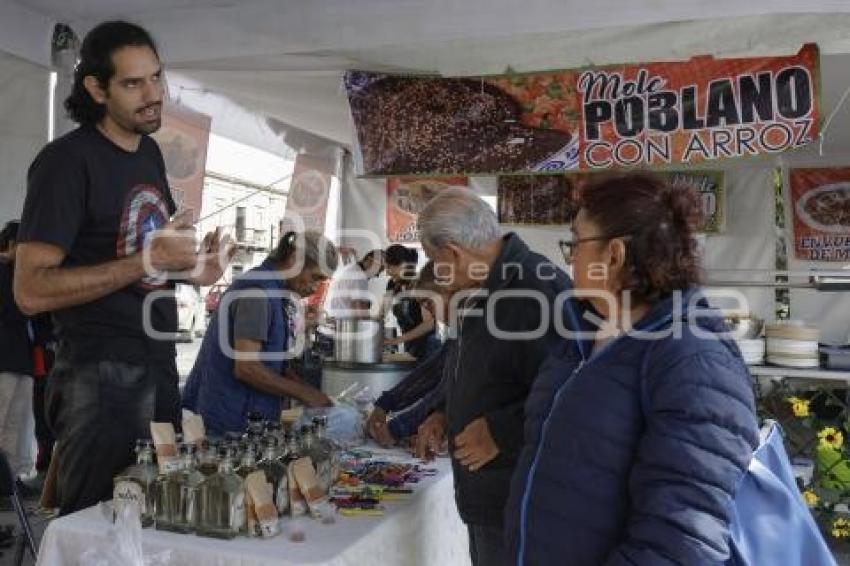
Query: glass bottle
x,y
190,483
167,498
256,426
222,502
275,475
247,466
306,440
323,452
275,430
136,484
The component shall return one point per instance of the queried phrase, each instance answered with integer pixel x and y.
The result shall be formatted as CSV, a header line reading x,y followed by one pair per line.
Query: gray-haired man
x,y
488,377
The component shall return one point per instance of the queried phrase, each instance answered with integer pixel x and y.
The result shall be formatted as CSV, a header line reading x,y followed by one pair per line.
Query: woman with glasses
x,y
638,432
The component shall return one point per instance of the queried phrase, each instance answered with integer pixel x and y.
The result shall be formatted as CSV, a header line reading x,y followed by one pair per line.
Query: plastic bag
x,y
124,544
345,424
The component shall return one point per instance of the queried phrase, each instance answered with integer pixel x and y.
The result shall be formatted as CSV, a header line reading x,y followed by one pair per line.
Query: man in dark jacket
x,y
503,332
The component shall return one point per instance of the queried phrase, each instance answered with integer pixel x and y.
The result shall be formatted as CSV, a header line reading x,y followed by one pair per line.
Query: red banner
x,y
308,193
405,200
643,115
820,204
183,139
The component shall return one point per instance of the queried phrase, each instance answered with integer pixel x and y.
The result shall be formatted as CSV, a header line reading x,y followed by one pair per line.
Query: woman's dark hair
x,y
285,247
660,221
398,254
96,60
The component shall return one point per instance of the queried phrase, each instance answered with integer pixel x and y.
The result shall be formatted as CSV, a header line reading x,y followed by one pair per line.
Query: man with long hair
x,y
95,243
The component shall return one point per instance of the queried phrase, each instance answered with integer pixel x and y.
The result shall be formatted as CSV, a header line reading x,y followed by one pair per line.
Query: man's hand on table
x,y
431,436
376,427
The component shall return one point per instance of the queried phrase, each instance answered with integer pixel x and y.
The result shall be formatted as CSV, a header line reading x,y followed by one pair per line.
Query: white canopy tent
x,y
270,74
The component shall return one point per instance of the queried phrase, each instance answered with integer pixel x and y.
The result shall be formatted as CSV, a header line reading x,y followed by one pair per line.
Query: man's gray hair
x,y
458,216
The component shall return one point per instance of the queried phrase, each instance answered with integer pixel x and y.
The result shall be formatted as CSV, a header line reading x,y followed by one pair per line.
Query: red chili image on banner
x,y
183,140
406,198
820,204
632,115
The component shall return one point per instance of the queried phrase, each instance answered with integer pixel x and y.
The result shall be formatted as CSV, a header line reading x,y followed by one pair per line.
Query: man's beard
x,y
148,127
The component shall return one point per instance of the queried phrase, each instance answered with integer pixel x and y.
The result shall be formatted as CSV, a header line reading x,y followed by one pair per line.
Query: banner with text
x,y
645,115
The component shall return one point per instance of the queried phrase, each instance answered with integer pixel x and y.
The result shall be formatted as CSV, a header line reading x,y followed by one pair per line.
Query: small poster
x,y
820,205
542,200
406,198
183,140
309,191
712,191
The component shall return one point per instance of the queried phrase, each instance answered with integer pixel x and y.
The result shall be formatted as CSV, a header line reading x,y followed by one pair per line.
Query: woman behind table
x,y
634,446
417,323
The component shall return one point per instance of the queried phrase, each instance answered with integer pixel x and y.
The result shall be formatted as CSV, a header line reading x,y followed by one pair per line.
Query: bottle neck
x,y
225,466
188,462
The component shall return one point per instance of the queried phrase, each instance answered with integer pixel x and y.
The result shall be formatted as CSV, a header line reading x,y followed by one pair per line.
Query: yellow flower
x,y
831,438
799,406
811,498
801,409
841,528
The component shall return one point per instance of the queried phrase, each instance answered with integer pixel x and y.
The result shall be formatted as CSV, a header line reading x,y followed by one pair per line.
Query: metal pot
x,y
359,340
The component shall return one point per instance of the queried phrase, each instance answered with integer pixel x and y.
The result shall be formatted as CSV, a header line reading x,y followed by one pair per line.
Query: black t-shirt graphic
x,y
99,203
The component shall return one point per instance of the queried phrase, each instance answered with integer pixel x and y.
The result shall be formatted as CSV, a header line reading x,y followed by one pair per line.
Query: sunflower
x,y
799,406
811,498
841,528
831,438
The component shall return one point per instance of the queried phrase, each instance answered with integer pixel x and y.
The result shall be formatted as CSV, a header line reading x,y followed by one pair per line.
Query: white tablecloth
x,y
422,530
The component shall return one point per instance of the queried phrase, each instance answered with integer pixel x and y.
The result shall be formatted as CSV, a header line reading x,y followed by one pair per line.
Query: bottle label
x,y
128,493
168,465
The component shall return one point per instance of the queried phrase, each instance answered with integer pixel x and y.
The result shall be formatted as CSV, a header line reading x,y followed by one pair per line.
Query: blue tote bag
x,y
770,523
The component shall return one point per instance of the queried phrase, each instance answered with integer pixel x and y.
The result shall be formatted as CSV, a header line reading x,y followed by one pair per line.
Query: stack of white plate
x,y
753,350
793,345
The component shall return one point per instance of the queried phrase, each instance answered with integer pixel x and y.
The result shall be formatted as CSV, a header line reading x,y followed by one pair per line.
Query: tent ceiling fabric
x,y
284,59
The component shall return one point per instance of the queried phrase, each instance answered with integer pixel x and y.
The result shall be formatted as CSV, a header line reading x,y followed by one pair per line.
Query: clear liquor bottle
x,y
256,427
135,485
223,502
324,454
275,475
247,466
167,498
190,485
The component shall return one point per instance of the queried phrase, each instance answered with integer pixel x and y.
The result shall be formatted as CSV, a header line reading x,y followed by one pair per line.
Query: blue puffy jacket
x,y
632,455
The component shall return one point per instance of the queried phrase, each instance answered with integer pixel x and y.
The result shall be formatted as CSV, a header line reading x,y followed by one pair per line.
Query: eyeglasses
x,y
568,247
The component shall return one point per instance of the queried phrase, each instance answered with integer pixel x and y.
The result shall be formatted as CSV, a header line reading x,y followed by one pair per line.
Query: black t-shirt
x,y
99,203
